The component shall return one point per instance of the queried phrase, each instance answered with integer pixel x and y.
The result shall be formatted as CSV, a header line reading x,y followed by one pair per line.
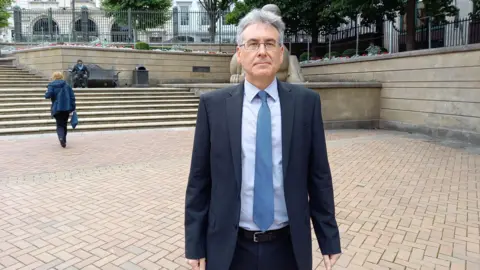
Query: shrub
x,y
349,52
142,46
304,56
332,54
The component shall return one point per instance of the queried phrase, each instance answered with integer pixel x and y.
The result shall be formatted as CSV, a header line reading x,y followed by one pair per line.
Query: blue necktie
x,y
263,188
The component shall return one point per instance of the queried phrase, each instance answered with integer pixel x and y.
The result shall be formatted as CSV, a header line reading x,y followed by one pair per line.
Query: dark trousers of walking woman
x,y
62,121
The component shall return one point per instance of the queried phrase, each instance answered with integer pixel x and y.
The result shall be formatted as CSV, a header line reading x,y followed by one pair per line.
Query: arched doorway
x,y
86,32
41,31
119,33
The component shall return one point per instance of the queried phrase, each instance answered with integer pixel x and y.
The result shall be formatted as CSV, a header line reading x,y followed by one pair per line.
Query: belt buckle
x,y
255,235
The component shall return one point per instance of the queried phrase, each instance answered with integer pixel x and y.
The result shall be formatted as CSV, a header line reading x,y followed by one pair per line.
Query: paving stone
x,y
114,200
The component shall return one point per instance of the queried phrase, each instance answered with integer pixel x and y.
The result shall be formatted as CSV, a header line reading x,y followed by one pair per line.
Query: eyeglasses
x,y
254,46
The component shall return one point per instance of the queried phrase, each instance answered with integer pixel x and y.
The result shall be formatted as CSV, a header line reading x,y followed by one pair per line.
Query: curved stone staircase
x,y
24,110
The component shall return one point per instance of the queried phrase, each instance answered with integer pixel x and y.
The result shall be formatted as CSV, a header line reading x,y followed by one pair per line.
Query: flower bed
x,y
339,58
97,44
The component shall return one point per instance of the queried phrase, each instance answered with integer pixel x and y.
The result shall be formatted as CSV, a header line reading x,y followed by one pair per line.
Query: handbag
x,y
74,120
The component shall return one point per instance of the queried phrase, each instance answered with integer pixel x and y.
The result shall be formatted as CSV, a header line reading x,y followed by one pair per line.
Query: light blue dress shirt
x,y
251,106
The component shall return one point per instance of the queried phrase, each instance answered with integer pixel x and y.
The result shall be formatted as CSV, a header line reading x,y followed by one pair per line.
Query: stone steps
x,y
104,126
24,110
104,98
100,120
45,114
80,102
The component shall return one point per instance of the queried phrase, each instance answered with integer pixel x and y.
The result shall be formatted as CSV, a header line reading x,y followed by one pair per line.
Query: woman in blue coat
x,y
63,103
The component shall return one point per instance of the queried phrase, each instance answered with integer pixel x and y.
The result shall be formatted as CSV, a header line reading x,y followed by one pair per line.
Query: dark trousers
x,y
62,121
276,254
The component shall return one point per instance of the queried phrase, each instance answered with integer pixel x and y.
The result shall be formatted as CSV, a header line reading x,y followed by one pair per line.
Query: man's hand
x,y
330,260
197,264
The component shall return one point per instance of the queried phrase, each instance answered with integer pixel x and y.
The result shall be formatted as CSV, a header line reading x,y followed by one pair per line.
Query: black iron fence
x,y
443,34
181,26
354,40
125,26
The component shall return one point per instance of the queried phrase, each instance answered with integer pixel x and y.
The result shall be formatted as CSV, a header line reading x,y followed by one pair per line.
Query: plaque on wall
x,y
200,69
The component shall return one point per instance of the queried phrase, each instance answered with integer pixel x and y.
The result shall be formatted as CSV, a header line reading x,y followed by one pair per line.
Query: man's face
x,y
260,55
80,62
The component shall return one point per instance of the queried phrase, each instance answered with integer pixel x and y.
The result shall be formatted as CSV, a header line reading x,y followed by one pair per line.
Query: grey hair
x,y
260,16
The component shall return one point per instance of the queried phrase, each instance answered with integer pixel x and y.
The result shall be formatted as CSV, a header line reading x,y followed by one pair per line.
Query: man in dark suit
x,y
259,168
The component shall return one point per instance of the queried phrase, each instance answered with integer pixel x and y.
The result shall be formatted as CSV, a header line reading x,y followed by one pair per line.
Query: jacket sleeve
x,y
50,93
320,188
197,198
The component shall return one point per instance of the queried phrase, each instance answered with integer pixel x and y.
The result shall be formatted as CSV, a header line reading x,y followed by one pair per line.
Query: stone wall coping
x,y
119,50
445,50
315,85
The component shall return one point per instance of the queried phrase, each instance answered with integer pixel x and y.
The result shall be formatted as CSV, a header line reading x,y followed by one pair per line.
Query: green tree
x,y
376,10
312,16
214,9
145,13
4,14
475,14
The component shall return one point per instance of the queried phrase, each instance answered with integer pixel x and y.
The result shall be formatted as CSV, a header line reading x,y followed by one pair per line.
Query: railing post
x,y
50,24
175,22
390,42
84,24
429,33
357,31
129,15
17,24
73,22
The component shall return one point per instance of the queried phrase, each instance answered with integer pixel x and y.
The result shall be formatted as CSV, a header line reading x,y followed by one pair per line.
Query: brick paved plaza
x,y
114,200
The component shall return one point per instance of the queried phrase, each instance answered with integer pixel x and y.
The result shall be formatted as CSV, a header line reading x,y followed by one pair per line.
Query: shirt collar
x,y
251,90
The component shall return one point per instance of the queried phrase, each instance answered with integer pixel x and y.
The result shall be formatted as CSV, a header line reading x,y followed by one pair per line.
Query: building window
x,y
184,16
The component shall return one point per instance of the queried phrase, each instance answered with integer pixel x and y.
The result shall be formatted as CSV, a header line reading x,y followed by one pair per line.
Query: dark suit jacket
x,y
212,210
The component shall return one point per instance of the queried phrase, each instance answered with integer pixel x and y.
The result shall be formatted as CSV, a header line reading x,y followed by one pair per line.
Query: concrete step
x,y
103,98
4,81
78,95
14,71
86,108
98,127
21,77
101,102
100,120
33,115
15,86
42,89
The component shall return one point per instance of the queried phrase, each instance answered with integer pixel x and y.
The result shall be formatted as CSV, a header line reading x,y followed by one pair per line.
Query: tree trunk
x,y
212,29
314,44
411,29
380,30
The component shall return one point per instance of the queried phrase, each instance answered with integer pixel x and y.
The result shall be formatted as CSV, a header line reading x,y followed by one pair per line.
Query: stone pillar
x,y
84,24
17,24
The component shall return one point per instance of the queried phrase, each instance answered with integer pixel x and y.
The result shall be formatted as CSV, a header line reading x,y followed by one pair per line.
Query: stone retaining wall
x,y
435,92
344,105
162,66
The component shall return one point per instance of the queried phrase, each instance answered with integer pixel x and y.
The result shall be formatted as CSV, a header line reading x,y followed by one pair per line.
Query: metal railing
x,y
125,26
390,38
179,26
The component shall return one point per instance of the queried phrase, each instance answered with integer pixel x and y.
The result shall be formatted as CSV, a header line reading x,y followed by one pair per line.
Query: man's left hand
x,y
330,260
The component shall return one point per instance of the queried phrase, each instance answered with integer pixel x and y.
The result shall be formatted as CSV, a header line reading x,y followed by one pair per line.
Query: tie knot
x,y
263,96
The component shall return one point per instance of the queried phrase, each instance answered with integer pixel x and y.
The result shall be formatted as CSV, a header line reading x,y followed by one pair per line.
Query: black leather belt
x,y
259,237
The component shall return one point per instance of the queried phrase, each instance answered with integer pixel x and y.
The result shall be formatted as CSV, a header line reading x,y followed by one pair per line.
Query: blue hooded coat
x,y
62,96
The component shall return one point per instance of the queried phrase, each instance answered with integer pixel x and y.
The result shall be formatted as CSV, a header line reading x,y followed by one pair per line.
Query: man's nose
x,y
262,50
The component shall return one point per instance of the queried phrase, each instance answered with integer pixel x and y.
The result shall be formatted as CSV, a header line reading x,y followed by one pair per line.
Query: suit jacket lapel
x,y
287,104
234,105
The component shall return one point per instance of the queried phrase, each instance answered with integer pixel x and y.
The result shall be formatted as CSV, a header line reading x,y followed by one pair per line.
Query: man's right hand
x,y
197,264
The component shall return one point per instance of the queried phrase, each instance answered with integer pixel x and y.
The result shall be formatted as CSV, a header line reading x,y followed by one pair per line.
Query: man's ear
x,y
239,55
